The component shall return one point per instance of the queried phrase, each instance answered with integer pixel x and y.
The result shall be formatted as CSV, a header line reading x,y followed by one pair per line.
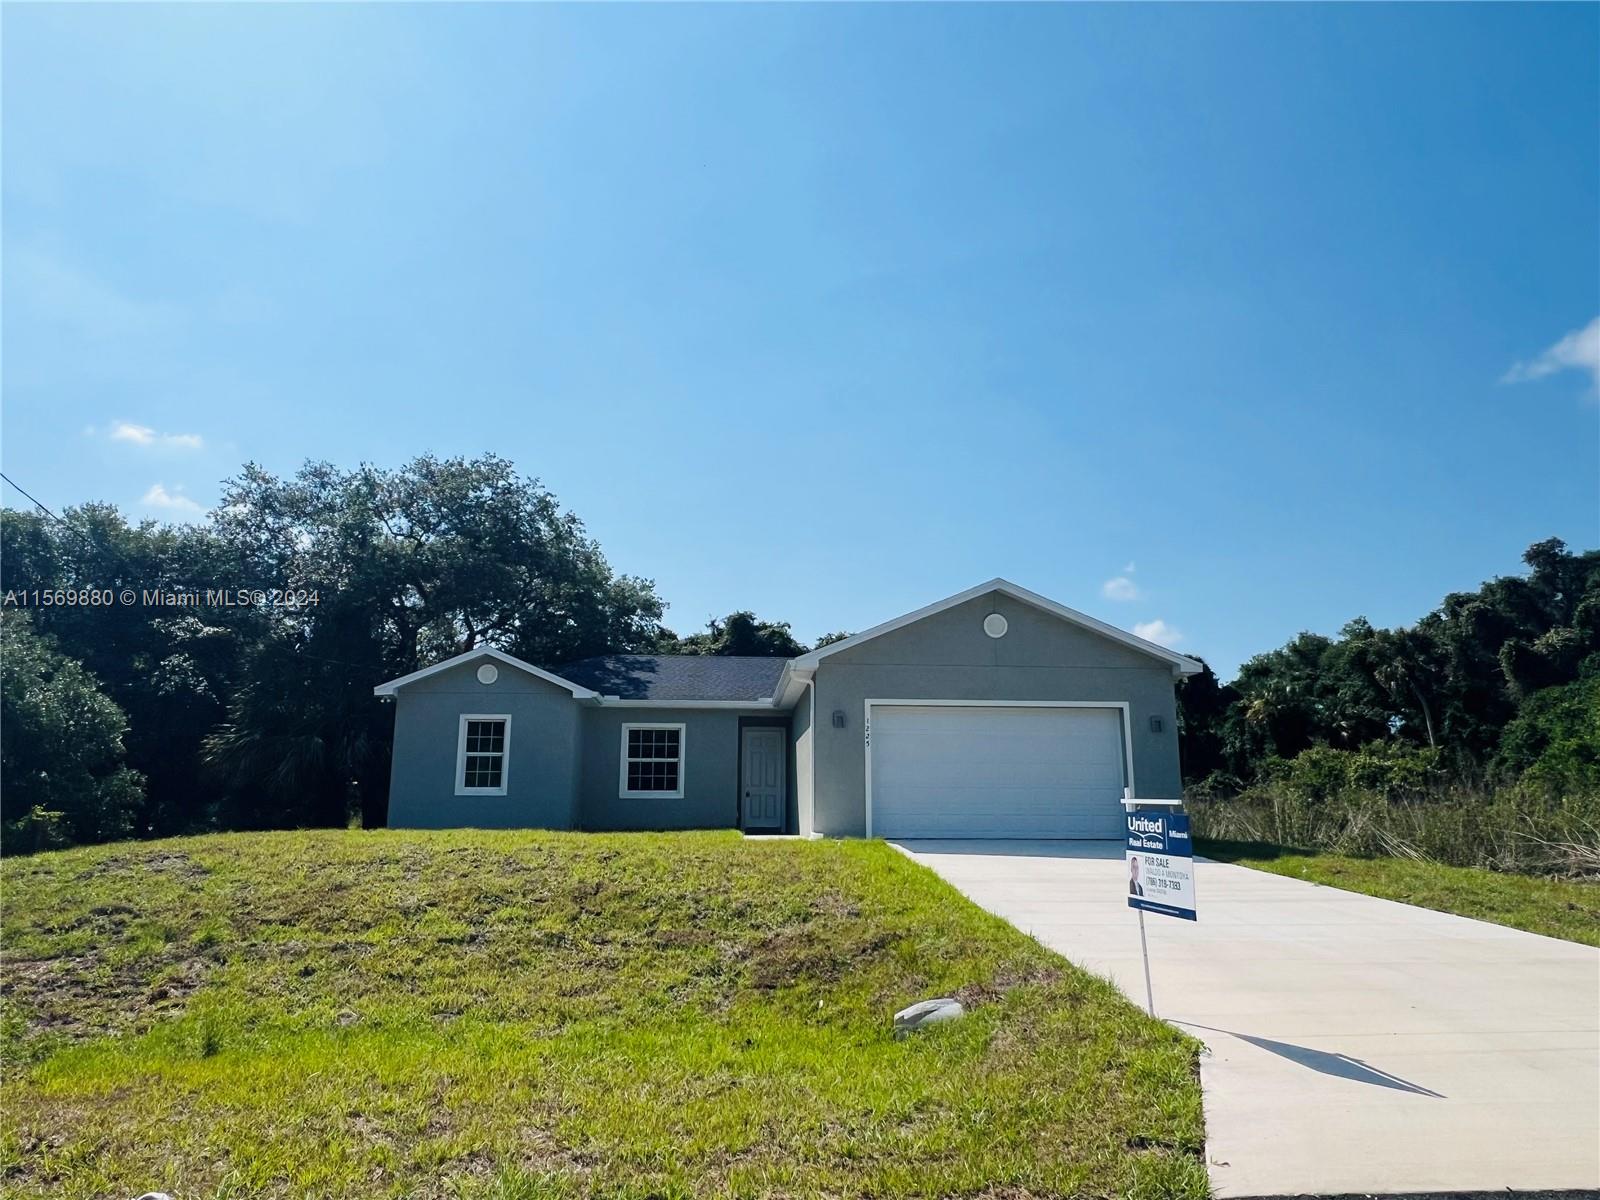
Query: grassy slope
x,y
480,1014
1554,907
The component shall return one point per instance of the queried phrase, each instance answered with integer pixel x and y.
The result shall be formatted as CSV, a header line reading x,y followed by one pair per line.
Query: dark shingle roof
x,y
676,676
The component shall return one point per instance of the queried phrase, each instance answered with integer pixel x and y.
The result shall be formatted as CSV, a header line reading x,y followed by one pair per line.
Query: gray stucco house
x,y
994,713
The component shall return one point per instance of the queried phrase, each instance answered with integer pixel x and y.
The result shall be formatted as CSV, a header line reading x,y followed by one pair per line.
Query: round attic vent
x,y
995,625
488,673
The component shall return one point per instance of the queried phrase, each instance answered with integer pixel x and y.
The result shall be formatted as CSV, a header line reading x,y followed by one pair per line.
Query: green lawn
x,y
1559,908
470,1014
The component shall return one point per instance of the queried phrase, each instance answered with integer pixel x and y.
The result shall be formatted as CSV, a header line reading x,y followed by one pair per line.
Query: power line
x,y
25,492
40,505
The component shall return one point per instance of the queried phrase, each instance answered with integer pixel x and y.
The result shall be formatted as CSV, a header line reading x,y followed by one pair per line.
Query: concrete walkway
x,y
1355,1044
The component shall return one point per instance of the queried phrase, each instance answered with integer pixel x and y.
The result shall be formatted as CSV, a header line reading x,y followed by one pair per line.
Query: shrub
x,y
1554,741
60,747
35,830
1386,770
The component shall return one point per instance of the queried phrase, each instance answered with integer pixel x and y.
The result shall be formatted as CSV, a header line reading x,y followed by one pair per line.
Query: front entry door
x,y
761,778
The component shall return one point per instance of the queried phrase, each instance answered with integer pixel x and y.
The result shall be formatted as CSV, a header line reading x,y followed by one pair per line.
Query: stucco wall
x,y
542,758
949,657
710,770
800,746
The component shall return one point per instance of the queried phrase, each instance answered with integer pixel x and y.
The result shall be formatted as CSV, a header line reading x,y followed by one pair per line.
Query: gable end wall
x,y
948,657
542,782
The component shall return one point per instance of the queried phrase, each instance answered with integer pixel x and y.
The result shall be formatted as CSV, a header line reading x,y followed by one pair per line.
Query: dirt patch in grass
x,y
1583,910
678,938
811,954
81,997
988,991
835,905
165,864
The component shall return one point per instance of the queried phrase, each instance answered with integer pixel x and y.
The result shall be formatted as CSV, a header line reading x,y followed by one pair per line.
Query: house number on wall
x,y
866,728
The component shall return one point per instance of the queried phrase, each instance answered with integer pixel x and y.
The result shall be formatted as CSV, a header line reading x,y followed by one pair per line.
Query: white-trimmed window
x,y
652,762
482,754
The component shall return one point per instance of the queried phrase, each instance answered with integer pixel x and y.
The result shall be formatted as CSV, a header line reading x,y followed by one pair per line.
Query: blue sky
x,y
833,311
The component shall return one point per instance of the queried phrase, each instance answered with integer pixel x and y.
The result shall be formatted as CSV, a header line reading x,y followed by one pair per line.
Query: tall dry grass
x,y
1515,829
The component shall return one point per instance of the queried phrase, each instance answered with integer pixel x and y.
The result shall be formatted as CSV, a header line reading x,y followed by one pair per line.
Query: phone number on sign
x,y
162,598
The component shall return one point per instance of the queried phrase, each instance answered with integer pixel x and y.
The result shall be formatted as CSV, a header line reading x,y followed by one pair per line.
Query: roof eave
x,y
1180,664
619,702
392,687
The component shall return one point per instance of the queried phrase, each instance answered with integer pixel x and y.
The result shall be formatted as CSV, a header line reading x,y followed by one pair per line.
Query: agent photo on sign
x,y
1135,888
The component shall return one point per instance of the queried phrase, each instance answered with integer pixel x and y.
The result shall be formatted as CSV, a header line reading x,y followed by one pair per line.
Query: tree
x,y
1203,704
1511,638
1403,666
61,752
264,715
1554,741
169,667
741,633
438,557
1454,681
399,568
304,743
1283,698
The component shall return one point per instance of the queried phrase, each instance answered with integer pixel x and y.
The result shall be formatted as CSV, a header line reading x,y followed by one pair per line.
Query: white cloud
x,y
1578,351
1159,632
1120,588
173,501
125,431
143,435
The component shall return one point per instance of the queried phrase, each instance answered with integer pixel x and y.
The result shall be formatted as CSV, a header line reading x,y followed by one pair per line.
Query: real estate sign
x,y
1160,861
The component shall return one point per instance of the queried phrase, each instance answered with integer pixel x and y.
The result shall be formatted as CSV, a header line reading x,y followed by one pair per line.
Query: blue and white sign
x,y
1160,864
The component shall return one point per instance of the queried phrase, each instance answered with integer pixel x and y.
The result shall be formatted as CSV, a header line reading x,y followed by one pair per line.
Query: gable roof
x,y
678,676
500,656
1180,664
741,680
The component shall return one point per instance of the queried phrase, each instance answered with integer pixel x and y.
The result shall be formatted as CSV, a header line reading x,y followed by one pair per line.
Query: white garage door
x,y
943,771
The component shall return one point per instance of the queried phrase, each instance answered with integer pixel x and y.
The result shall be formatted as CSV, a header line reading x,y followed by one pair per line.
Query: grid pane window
x,y
486,737
654,760
484,754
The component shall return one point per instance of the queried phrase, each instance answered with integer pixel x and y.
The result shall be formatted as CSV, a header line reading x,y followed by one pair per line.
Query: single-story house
x,y
995,713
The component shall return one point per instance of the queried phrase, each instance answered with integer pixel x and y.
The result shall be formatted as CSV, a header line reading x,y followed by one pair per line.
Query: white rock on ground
x,y
926,1012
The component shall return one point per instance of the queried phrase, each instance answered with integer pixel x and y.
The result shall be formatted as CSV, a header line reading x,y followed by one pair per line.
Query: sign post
x,y
1160,860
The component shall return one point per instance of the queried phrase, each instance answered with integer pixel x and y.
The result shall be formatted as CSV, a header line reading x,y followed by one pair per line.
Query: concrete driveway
x,y
1355,1044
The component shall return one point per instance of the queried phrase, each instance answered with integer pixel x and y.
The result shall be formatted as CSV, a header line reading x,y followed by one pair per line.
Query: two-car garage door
x,y
954,771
